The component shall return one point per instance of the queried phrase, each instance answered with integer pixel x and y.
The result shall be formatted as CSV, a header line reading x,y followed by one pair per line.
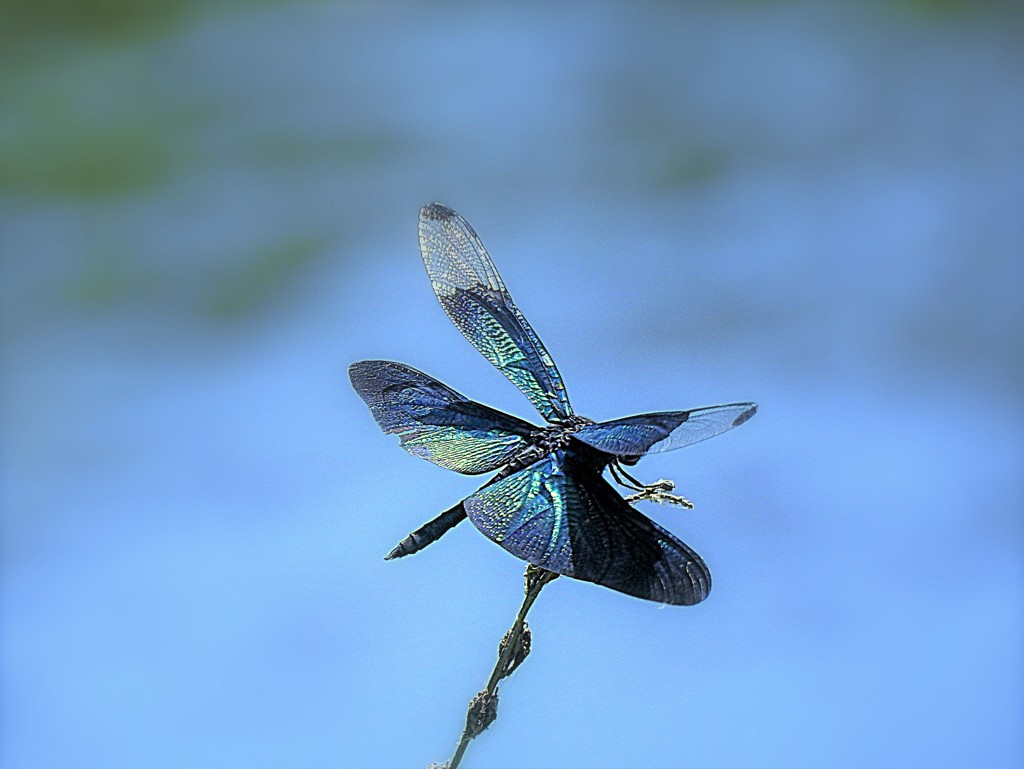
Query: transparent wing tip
x,y
745,415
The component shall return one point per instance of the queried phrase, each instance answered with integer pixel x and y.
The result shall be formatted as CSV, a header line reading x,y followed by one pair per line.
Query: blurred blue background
x,y
207,211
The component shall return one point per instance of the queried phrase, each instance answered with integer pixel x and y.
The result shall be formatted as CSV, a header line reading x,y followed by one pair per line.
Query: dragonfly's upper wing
x,y
474,297
651,433
561,515
435,422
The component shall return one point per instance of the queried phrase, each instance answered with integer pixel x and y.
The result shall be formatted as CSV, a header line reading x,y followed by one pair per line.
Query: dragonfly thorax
x,y
556,437
544,441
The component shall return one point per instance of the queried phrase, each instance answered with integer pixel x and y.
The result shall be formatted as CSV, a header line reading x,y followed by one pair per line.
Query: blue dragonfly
x,y
548,502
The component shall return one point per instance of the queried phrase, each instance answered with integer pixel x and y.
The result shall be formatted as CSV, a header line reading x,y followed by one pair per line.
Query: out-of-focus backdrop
x,y
208,210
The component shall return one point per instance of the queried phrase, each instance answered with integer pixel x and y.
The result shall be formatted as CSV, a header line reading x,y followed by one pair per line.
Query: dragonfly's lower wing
x,y
473,295
561,515
664,431
435,422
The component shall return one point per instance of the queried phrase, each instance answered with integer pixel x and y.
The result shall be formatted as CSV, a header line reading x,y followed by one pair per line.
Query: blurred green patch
x,y
687,169
24,21
925,7
225,289
112,278
261,279
93,125
66,157
936,7
346,150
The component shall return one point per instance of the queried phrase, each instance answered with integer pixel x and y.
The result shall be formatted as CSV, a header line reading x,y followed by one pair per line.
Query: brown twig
x,y
512,650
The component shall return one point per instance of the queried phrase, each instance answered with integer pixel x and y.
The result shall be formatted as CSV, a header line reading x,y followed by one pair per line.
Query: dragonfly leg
x,y
659,491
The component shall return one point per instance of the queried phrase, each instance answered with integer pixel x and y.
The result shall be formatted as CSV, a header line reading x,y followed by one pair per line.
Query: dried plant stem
x,y
512,650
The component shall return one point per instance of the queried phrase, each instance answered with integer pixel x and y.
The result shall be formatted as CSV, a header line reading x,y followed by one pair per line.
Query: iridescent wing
x,y
561,515
652,433
474,297
435,422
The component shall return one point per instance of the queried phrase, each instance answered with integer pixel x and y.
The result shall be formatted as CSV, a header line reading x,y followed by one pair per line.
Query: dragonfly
x,y
548,502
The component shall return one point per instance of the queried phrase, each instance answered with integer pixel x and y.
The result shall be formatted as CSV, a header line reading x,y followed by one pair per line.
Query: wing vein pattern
x,y
473,295
561,515
435,422
663,431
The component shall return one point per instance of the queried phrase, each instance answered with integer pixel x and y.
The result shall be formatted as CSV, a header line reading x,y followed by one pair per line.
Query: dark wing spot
x,y
744,416
436,211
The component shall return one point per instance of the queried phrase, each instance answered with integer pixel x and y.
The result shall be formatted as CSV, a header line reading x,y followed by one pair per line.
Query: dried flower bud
x,y
516,654
483,709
